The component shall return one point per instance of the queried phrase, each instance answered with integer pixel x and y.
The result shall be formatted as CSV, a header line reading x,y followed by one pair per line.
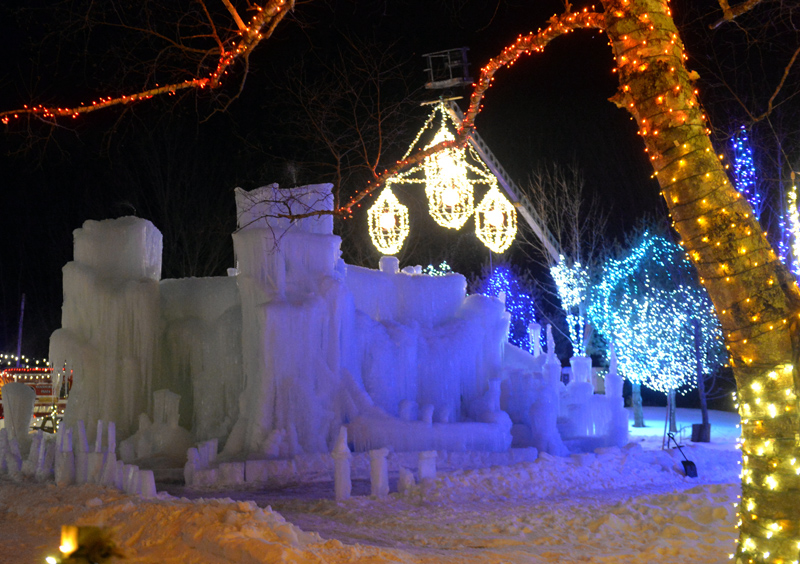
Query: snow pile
x,y
551,476
621,506
166,530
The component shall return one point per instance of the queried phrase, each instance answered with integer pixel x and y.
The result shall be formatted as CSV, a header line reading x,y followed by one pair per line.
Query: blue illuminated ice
x,y
275,359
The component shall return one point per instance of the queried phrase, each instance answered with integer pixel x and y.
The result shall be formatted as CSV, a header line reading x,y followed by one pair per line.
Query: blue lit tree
x,y
786,215
519,301
647,303
744,171
573,287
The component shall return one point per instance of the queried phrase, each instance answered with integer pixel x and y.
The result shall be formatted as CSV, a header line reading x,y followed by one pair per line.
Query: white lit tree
x,y
577,220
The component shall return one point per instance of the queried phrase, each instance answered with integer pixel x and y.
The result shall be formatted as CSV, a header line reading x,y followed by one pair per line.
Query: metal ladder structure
x,y
521,202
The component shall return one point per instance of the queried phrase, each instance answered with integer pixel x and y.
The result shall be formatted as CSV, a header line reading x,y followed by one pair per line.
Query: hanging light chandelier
x,y
449,191
450,178
496,221
388,222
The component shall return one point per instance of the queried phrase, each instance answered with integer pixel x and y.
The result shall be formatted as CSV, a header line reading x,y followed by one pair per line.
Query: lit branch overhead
x,y
232,49
524,45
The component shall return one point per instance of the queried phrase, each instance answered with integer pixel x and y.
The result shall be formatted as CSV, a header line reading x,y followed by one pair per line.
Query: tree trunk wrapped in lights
x,y
756,298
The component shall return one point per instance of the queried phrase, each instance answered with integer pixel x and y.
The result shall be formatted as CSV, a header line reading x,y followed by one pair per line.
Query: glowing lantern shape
x,y
496,221
447,187
388,223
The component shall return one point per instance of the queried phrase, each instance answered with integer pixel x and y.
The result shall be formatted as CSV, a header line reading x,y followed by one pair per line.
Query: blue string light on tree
x,y
519,303
746,181
744,171
645,304
792,259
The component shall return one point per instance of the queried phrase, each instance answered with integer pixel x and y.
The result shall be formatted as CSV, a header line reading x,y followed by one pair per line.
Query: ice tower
x,y
110,321
290,279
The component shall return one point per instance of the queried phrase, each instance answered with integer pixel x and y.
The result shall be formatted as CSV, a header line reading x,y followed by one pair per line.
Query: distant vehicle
x,y
52,391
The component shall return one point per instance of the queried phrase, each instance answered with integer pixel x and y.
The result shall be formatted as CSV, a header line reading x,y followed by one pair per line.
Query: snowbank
x,y
620,506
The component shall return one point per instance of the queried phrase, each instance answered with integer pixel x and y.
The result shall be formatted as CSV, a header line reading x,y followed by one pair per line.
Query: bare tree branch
x,y
236,17
558,26
246,40
729,14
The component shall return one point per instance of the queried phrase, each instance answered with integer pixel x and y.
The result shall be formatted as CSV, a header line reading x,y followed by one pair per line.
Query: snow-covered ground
x,y
616,506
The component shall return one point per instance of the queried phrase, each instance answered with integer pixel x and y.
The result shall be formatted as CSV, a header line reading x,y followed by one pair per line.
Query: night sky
x,y
177,160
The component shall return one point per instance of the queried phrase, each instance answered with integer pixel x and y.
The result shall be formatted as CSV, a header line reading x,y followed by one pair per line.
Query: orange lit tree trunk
x,y
755,296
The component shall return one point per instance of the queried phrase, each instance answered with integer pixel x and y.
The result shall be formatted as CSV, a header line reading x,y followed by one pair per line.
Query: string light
x,y
524,45
449,191
450,176
744,171
572,285
496,221
442,270
388,222
518,300
793,219
248,37
645,305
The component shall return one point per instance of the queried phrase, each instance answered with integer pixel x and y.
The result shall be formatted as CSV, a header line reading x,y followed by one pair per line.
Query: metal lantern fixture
x,y
450,177
496,221
388,222
449,191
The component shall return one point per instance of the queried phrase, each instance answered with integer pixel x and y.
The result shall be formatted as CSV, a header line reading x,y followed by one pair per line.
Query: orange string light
x,y
524,45
261,27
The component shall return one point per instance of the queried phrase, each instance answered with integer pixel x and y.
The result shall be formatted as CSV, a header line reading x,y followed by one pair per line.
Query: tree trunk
x,y
701,379
673,422
636,400
700,433
754,295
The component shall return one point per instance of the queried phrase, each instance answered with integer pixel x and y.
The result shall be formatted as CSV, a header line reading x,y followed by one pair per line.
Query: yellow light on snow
x,y
69,539
388,223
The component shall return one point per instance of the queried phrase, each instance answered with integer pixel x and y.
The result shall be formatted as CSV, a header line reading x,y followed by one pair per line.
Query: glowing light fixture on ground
x,y
388,222
496,221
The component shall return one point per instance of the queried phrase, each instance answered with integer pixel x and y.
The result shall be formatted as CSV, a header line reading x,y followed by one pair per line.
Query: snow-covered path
x,y
692,525
623,506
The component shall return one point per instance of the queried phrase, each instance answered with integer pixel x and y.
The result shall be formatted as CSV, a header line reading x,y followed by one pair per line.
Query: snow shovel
x,y
689,467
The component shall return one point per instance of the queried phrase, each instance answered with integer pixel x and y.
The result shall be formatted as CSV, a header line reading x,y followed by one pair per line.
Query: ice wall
x,y
201,352
110,321
274,359
420,339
